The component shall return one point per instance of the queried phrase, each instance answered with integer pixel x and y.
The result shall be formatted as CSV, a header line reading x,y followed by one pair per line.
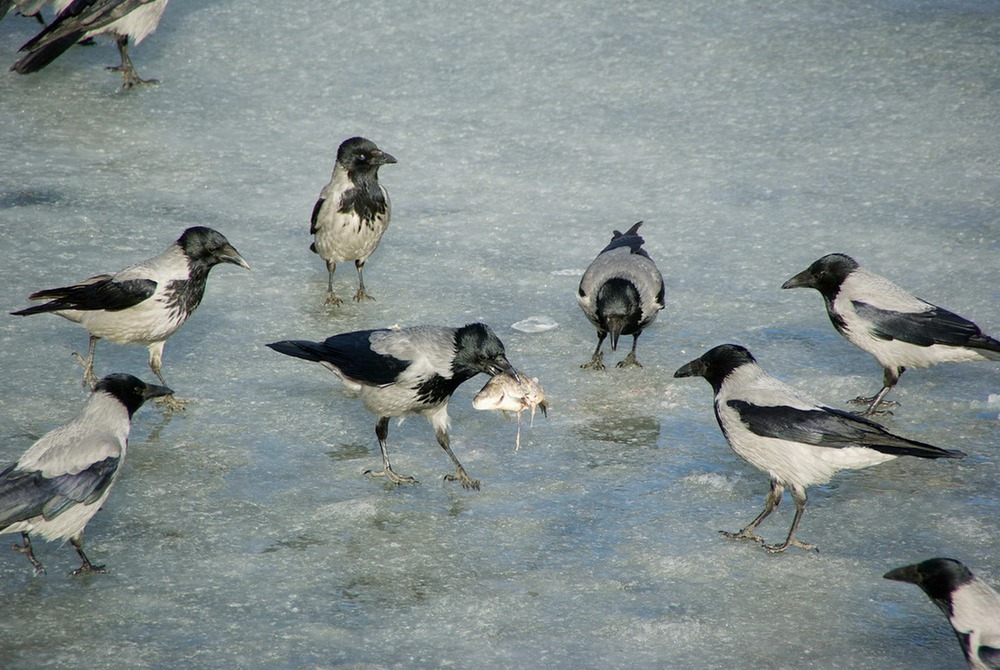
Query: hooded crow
x,y
63,479
796,441
145,303
408,371
82,19
352,212
972,607
621,293
898,329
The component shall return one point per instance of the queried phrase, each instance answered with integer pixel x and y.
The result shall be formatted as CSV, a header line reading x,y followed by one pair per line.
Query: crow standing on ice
x,y
898,329
621,293
797,442
408,371
352,212
63,479
144,303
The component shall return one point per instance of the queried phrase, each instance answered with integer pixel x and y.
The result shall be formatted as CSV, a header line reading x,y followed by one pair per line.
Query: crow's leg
x,y
86,567
26,549
799,497
771,502
362,294
597,360
382,432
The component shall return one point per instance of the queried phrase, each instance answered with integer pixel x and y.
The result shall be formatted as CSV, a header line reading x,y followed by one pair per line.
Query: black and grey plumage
x,y
971,605
621,293
402,371
63,479
901,331
125,20
144,303
796,441
352,212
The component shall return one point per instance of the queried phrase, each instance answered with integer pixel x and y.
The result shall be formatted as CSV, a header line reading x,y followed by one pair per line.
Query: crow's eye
x,y
362,158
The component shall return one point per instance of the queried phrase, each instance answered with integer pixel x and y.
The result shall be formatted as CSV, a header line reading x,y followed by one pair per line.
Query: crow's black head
x,y
825,275
938,577
130,391
206,247
478,349
360,156
619,309
717,363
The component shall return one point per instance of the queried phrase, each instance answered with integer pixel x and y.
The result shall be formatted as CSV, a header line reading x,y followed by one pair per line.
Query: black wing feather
x,y
55,33
20,496
350,353
630,238
39,59
25,494
924,329
95,14
78,18
315,214
106,294
828,427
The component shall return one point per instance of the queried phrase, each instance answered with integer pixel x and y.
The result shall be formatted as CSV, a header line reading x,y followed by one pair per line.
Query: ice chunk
x,y
535,324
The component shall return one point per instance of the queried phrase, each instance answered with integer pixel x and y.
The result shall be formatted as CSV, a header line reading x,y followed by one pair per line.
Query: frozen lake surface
x,y
752,138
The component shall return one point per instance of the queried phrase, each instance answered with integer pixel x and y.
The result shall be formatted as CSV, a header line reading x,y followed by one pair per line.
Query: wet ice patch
x,y
712,480
347,509
642,629
535,324
672,398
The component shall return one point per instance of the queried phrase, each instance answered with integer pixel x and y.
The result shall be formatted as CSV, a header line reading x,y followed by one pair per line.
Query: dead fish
x,y
508,393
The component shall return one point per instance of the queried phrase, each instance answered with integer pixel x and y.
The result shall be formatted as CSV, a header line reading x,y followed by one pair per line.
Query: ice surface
x,y
751,138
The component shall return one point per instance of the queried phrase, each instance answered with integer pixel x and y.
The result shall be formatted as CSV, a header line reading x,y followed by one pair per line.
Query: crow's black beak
x,y
615,326
381,158
501,364
803,279
907,573
230,255
695,368
154,391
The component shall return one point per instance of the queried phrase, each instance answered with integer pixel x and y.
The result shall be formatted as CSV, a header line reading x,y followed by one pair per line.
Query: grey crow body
x,y
63,479
796,441
972,607
621,293
82,19
352,212
898,329
144,303
408,371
